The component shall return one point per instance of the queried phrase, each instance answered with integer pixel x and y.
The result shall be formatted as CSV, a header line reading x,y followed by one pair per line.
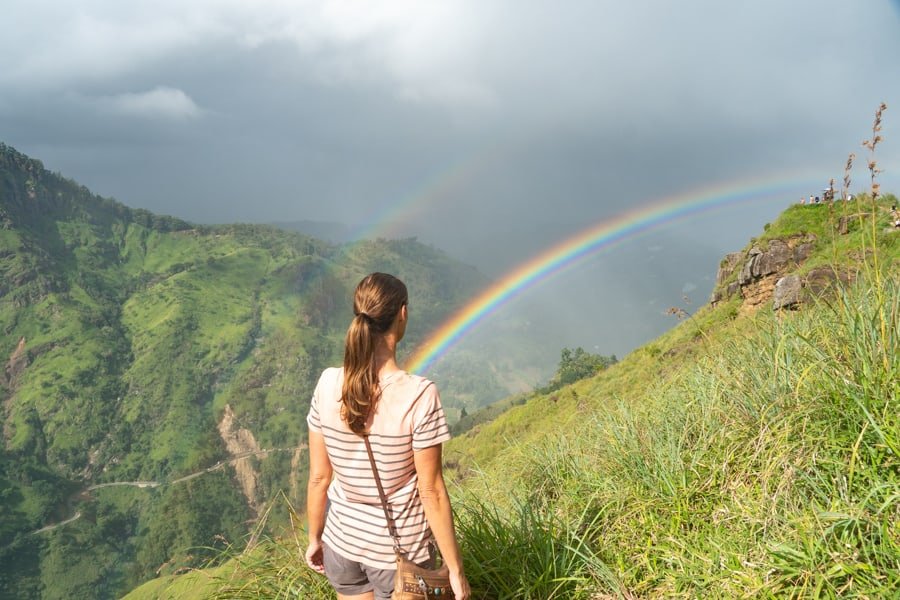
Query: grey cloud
x,y
160,102
491,129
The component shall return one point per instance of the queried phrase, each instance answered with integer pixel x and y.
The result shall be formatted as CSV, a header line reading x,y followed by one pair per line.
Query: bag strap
x,y
392,527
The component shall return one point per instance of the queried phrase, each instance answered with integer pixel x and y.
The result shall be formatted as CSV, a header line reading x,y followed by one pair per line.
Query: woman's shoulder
x,y
331,373
408,378
414,385
330,377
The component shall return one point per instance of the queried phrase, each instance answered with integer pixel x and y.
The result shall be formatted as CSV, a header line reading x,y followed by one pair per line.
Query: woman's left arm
x,y
320,472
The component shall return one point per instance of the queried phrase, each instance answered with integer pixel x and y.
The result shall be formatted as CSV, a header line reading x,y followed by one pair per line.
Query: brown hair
x,y
376,303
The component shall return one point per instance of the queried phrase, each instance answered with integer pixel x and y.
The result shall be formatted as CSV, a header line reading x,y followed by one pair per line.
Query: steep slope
x,y
143,351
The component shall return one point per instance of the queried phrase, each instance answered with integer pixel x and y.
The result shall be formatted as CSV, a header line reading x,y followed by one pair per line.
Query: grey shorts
x,y
349,577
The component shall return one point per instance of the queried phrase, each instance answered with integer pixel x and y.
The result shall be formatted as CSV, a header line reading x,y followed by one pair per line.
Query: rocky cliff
x,y
775,272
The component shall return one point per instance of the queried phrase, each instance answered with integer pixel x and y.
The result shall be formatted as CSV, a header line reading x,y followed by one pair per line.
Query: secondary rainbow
x,y
589,241
442,185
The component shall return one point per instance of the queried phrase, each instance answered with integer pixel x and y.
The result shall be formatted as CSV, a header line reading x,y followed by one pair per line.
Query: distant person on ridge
x,y
403,418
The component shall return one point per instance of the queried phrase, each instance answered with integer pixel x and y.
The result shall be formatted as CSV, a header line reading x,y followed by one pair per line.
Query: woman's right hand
x,y
460,586
314,557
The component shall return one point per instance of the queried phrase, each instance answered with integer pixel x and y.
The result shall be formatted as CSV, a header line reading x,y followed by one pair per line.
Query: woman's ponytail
x,y
376,303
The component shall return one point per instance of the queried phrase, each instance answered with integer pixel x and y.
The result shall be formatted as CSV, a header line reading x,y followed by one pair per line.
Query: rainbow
x,y
388,221
591,240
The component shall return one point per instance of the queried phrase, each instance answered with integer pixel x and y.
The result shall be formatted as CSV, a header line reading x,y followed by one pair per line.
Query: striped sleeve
x,y
313,421
429,423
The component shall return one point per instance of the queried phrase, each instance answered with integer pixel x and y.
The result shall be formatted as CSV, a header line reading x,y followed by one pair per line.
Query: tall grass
x,y
767,468
272,568
529,553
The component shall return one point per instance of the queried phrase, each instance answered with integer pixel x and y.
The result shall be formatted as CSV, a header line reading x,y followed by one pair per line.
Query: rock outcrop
x,y
763,263
787,292
729,263
241,444
17,363
820,279
767,273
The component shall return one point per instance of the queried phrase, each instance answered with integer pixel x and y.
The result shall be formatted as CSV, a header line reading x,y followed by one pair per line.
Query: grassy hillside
x,y
850,254
745,453
739,455
143,350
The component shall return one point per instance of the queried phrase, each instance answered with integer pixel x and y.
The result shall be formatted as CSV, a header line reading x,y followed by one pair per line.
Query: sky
x,y
491,129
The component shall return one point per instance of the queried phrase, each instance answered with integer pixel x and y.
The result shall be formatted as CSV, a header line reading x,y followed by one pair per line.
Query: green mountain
x,y
753,451
155,377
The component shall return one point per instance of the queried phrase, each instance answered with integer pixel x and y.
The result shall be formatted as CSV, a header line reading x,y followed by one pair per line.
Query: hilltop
x,y
751,451
155,376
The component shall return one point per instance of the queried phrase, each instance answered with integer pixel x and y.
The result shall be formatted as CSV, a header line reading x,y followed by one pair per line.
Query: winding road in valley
x,y
152,484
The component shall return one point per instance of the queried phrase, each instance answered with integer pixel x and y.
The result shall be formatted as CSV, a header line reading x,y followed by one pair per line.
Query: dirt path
x,y
152,484
140,484
74,517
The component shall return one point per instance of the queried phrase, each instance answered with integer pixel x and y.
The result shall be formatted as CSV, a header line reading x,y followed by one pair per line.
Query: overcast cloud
x,y
501,126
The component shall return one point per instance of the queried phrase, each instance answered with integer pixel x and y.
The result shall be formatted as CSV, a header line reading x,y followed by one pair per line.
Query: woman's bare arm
x,y
439,514
320,472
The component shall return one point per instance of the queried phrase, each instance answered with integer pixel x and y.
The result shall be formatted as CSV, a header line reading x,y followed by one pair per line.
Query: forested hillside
x,y
141,350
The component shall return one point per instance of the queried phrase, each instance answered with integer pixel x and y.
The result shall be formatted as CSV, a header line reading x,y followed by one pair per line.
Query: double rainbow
x,y
591,240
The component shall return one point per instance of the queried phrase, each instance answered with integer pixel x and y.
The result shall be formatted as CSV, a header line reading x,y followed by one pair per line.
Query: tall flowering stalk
x,y
875,192
845,191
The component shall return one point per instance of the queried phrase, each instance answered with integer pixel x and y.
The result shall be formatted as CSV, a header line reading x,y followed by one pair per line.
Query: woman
x,y
403,417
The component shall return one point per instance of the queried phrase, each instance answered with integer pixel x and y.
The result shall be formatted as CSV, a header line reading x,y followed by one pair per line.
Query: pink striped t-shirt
x,y
408,417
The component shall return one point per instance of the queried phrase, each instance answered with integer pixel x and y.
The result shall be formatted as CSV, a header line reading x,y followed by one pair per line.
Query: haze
x,y
491,129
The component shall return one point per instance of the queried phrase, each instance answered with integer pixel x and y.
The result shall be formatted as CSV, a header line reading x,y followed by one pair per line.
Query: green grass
x,y
266,567
527,552
192,585
768,466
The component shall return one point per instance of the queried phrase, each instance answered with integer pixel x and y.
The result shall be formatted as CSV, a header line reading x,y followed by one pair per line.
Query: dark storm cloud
x,y
563,114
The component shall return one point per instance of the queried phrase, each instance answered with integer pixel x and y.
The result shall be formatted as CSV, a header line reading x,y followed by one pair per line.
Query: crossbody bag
x,y
411,582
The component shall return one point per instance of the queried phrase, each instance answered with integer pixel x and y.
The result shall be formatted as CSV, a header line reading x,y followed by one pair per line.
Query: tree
x,y
578,364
